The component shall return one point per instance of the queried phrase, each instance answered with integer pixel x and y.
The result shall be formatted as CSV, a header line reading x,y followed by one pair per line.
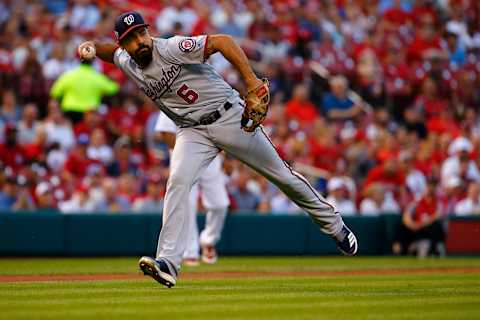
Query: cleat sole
x,y
160,277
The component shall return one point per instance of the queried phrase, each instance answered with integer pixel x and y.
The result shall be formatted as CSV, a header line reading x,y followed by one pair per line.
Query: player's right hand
x,y
86,51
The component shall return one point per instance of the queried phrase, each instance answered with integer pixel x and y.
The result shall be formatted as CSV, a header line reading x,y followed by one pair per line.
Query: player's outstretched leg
x,y
257,151
192,153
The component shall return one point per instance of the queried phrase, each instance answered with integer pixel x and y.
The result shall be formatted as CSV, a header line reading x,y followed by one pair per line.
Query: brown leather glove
x,y
256,107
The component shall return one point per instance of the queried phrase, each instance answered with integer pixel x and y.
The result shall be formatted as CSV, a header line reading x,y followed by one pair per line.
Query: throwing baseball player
x,y
214,198
211,116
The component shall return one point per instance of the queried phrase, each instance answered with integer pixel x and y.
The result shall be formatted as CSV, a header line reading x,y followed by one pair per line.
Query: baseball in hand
x,y
87,51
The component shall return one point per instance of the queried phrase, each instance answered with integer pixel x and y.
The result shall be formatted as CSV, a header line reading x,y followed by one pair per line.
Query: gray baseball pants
x,y
196,147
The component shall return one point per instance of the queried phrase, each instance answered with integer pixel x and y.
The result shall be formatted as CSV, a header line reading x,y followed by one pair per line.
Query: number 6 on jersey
x,y
187,94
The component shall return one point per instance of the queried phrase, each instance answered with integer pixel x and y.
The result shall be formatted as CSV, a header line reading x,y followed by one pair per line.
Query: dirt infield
x,y
233,275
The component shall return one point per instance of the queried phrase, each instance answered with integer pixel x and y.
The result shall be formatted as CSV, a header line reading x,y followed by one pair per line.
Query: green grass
x,y
439,295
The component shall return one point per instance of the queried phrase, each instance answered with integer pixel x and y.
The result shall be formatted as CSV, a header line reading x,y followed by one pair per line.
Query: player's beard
x,y
143,55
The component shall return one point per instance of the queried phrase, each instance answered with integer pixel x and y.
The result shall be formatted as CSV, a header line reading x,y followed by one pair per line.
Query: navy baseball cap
x,y
127,22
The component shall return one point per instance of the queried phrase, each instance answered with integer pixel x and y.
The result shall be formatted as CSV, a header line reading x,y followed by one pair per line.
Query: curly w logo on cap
x,y
129,19
127,22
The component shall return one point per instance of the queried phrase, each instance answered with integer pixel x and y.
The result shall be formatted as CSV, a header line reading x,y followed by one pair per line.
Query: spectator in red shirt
x,y
203,25
398,77
122,120
12,154
444,122
6,63
422,226
287,24
428,102
37,150
91,120
422,8
324,147
388,147
396,15
388,173
426,42
77,162
369,79
299,107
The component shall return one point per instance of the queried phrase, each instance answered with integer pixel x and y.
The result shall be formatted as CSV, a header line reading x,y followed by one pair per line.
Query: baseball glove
x,y
256,107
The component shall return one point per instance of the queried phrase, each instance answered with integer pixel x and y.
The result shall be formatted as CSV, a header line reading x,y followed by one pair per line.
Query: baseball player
x,y
214,199
211,116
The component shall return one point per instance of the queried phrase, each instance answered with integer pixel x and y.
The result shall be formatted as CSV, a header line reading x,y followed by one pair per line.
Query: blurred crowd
x,y
399,109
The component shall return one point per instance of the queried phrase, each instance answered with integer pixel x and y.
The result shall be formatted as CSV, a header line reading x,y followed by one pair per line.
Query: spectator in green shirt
x,y
81,90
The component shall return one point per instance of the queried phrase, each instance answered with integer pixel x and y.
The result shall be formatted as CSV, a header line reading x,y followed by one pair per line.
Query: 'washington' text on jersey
x,y
155,89
178,61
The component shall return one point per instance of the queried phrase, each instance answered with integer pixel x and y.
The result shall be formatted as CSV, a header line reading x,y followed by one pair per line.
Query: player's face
x,y
139,46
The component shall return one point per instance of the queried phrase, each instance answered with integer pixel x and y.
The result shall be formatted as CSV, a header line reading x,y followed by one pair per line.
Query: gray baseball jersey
x,y
178,80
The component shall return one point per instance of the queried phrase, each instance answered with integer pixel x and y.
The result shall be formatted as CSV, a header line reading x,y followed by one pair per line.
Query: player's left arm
x,y
234,54
258,94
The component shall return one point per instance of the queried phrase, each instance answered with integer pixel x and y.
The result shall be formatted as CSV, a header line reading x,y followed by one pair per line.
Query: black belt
x,y
213,116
